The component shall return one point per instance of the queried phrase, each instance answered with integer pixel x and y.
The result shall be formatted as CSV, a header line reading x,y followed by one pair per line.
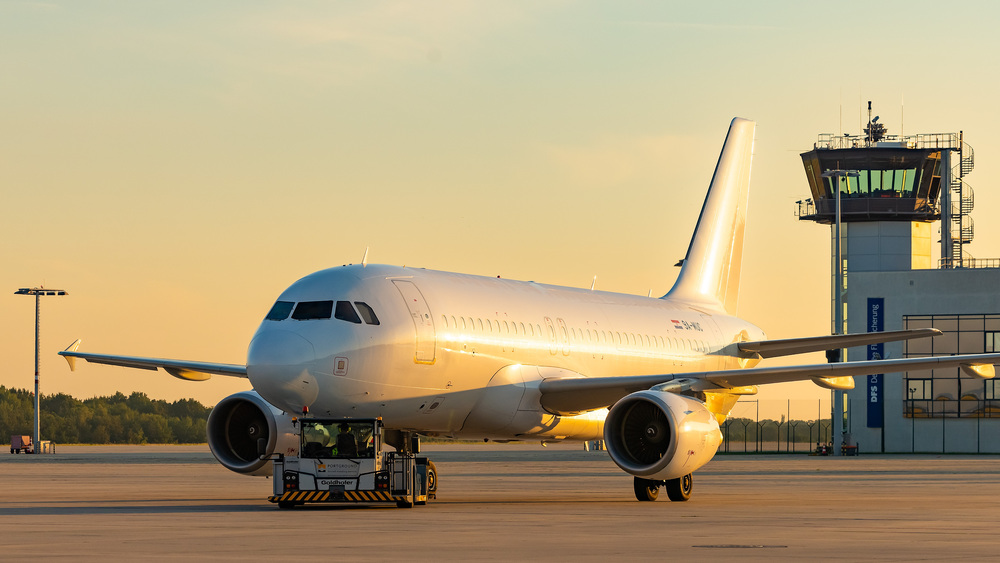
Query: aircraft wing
x,y
787,347
577,395
182,369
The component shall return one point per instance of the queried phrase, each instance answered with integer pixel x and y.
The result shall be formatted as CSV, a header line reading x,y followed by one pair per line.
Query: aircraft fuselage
x,y
461,355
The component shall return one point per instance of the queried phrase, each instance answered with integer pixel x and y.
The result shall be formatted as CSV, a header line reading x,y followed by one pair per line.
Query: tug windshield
x,y
337,439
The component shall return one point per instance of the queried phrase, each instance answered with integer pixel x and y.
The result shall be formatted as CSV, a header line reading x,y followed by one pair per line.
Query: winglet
x,y
72,348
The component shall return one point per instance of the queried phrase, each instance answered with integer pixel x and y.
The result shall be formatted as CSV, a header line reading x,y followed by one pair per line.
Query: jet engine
x,y
240,424
659,435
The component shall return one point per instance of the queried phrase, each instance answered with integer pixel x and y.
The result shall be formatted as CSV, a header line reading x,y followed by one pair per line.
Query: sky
x,y
176,165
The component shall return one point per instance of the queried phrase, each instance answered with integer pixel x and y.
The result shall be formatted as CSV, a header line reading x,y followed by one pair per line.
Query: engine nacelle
x,y
238,422
659,435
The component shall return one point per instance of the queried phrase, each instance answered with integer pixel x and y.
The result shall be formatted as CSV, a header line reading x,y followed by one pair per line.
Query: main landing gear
x,y
677,489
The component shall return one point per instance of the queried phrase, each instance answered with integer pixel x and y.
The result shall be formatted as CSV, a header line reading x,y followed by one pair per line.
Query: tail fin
x,y
710,273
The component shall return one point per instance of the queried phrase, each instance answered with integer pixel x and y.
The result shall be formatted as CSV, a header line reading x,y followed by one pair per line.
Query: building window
x,y
947,392
992,391
992,341
919,389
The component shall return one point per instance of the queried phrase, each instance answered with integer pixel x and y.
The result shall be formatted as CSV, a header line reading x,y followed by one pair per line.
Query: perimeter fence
x,y
774,426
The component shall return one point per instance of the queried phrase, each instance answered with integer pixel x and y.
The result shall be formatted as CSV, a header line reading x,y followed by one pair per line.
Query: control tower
x,y
881,195
891,188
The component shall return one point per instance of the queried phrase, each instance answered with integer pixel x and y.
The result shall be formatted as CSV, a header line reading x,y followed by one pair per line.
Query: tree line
x,y
118,419
137,419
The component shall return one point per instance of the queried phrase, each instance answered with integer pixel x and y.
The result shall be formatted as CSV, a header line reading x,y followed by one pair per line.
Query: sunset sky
x,y
176,165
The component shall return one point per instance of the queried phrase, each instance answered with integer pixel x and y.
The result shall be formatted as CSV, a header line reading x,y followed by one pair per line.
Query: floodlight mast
x,y
837,404
38,292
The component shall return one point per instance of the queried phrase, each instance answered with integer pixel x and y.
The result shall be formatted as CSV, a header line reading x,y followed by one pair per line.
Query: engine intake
x,y
238,422
659,435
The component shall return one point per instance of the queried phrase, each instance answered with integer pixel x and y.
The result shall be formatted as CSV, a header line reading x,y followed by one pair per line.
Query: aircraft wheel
x,y
432,478
680,489
646,489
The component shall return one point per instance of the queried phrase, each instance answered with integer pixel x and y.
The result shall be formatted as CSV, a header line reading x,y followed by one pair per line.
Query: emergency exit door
x,y
423,322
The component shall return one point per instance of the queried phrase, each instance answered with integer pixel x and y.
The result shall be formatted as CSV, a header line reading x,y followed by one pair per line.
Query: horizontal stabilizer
x,y
791,346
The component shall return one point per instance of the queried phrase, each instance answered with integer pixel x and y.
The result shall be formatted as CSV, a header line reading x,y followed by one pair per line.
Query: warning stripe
x,y
301,496
324,496
370,496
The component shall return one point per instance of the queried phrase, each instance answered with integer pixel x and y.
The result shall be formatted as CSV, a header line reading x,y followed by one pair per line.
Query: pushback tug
x,y
341,460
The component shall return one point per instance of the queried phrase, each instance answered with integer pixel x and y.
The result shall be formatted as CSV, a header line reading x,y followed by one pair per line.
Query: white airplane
x,y
446,354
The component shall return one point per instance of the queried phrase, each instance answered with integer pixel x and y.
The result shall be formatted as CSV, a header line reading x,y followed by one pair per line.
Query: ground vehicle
x,y
21,443
341,460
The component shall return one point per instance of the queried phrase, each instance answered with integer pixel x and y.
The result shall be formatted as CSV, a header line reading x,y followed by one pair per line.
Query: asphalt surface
x,y
507,502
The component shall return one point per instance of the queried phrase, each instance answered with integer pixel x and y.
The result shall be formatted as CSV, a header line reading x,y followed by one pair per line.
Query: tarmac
x,y
505,502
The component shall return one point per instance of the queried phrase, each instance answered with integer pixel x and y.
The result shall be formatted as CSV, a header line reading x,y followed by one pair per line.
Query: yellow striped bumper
x,y
326,496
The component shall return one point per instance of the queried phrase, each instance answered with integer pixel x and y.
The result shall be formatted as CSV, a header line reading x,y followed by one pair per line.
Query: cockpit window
x,y
346,312
280,311
311,310
367,313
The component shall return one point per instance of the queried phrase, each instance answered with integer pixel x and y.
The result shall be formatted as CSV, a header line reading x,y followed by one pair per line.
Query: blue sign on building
x,y
876,323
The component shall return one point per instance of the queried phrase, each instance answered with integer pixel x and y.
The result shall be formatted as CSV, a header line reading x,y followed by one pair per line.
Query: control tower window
x,y
346,312
900,182
367,313
280,311
312,310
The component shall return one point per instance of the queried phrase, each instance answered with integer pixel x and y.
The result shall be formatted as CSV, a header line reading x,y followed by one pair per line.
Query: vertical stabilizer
x,y
710,274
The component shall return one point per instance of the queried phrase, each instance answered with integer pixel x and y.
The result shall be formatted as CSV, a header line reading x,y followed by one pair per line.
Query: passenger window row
x,y
317,310
578,336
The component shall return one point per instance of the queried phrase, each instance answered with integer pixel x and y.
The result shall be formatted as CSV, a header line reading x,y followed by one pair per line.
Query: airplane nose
x,y
278,363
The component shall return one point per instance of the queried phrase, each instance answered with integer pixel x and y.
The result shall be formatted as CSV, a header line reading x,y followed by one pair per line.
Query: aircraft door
x,y
423,321
553,347
714,336
564,336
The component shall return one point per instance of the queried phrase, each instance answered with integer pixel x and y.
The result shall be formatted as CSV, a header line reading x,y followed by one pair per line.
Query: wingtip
x,y
71,360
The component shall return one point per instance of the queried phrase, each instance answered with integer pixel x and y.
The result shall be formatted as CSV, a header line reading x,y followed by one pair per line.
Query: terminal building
x,y
893,200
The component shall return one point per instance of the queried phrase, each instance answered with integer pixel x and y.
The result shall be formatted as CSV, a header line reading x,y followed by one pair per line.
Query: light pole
x,y
837,404
38,292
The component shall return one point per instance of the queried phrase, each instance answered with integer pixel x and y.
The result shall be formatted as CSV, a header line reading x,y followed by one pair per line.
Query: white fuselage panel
x,y
446,342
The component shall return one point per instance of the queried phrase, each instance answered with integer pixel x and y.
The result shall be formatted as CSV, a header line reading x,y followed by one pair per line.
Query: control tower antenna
x,y
868,131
